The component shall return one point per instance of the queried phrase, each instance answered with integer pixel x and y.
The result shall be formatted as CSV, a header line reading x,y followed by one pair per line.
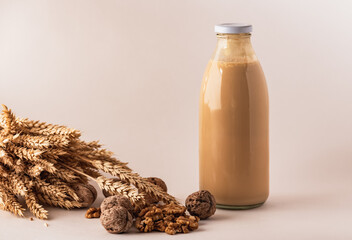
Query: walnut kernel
x,y
93,213
170,219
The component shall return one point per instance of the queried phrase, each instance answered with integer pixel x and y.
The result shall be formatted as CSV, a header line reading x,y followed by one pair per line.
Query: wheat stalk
x,y
8,184
9,202
19,183
21,152
57,202
78,145
40,142
6,159
33,205
50,189
42,128
120,170
114,187
41,161
62,186
9,119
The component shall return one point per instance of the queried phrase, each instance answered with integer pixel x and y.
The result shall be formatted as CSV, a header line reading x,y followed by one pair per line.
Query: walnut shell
x,y
116,219
117,200
106,193
94,191
85,194
159,182
201,204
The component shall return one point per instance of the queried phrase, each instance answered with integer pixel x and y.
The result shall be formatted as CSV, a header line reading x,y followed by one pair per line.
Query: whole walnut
x,y
106,193
159,182
115,201
116,219
94,191
86,193
201,204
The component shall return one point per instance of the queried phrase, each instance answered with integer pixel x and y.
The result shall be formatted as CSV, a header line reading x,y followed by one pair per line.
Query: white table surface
x,y
315,214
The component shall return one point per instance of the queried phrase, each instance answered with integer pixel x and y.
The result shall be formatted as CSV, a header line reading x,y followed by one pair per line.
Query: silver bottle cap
x,y
233,28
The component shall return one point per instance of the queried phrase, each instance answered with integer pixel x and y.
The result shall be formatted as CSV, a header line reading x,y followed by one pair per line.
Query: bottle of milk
x,y
234,122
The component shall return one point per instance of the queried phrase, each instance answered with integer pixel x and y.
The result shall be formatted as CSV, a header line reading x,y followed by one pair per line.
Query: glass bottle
x,y
234,122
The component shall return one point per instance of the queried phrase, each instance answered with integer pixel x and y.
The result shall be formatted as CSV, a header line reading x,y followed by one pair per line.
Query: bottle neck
x,y
234,48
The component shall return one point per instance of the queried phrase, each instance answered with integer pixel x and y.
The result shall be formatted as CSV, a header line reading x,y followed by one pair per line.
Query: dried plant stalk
x,y
62,187
58,202
33,205
51,189
9,202
40,142
41,162
6,159
121,188
42,128
19,184
9,119
125,174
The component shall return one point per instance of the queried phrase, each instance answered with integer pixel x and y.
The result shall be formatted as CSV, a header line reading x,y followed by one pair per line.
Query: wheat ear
x,y
62,187
10,120
57,202
46,129
6,158
125,174
119,187
33,205
50,189
9,202
40,142
114,187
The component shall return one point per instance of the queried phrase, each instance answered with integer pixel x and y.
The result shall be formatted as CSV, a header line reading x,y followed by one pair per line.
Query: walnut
x,y
182,220
183,224
93,213
149,198
144,225
172,228
191,222
158,181
169,218
174,209
85,193
117,200
155,214
146,218
93,190
145,210
116,219
185,229
160,225
201,204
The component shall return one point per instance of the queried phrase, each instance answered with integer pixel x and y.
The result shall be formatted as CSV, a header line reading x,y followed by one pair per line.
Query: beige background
x,y
128,73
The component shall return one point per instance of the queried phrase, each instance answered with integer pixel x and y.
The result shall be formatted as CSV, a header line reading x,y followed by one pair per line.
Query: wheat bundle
x,y
40,162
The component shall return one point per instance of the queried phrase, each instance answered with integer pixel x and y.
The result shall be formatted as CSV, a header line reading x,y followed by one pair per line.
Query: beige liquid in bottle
x,y
233,132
